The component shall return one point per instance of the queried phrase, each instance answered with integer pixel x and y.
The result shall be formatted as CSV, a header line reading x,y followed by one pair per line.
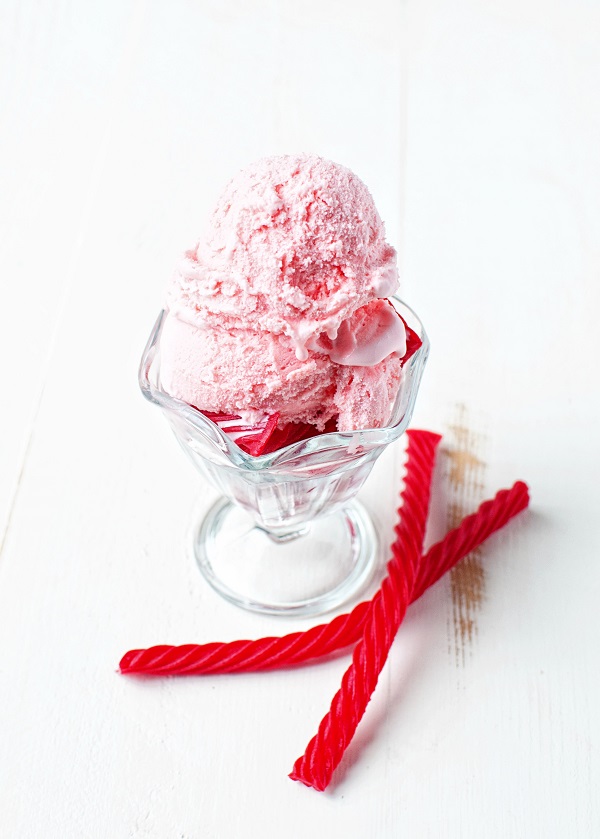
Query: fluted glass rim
x,y
210,431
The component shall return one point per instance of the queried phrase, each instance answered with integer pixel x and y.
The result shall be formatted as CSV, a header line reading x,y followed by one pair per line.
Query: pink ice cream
x,y
279,308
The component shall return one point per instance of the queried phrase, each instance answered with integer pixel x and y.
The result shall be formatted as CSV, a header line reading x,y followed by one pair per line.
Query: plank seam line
x,y
15,495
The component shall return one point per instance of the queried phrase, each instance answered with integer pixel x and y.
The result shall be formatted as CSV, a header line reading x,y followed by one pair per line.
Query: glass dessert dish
x,y
288,536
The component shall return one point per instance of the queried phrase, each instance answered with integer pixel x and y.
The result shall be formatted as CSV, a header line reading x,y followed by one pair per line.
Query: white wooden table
x,y
476,125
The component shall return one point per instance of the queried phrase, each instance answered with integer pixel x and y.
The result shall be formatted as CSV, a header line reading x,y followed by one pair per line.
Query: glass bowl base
x,y
304,572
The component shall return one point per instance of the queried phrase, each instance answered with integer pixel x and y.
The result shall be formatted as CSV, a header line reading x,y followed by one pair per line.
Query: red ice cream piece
x,y
413,342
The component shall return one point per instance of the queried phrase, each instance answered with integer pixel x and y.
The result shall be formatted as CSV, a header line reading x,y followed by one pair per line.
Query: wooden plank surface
x,y
476,127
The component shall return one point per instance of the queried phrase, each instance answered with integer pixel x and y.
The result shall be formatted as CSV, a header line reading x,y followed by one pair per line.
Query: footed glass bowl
x,y
288,536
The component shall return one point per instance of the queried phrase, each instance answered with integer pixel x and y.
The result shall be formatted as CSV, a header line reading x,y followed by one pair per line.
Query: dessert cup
x,y
287,536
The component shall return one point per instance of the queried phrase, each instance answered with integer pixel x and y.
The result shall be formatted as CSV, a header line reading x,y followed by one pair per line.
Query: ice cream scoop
x,y
279,307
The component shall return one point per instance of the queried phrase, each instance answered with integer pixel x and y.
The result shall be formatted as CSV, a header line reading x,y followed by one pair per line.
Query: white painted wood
x,y
476,127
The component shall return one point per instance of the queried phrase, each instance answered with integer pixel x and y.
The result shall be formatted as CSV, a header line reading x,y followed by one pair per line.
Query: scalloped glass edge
x,y
360,438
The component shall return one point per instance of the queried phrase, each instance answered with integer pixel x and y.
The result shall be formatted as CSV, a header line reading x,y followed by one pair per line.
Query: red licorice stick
x,y
473,530
324,752
300,647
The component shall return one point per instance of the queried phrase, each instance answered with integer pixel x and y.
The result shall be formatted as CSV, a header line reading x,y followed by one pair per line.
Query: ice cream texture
x,y
280,310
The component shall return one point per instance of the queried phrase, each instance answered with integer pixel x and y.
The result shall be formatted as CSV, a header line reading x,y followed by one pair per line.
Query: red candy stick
x,y
324,752
473,530
299,647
